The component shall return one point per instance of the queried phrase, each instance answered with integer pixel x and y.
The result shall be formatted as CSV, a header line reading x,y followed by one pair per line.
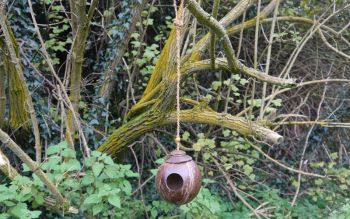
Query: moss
x,y
3,76
18,115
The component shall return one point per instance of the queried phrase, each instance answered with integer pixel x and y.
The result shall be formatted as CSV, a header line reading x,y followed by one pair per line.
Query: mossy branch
x,y
3,78
153,119
11,46
239,124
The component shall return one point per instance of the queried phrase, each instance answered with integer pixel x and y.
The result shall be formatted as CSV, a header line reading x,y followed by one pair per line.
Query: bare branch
x,y
206,19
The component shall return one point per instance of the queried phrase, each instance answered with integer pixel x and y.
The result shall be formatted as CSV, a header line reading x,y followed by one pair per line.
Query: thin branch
x,y
205,18
234,189
283,165
268,59
53,71
332,47
222,63
212,35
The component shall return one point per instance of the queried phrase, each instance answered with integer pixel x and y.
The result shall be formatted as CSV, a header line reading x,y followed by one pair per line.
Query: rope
x,y
178,22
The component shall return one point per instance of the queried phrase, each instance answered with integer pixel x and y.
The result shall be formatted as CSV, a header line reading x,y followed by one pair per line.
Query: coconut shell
x,y
178,179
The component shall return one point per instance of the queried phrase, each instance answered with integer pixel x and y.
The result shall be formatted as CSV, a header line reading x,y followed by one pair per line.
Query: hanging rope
x,y
178,22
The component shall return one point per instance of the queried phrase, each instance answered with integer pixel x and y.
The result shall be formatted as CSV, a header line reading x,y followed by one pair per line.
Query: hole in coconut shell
x,y
174,181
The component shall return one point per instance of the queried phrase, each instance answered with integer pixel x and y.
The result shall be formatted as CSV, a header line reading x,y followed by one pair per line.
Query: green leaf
x,y
247,169
227,132
97,169
186,136
39,199
97,208
153,171
96,154
71,165
68,152
57,148
108,160
216,85
114,200
243,81
131,174
160,160
35,214
277,102
88,179
197,146
53,150
206,156
92,199
18,210
334,155
111,172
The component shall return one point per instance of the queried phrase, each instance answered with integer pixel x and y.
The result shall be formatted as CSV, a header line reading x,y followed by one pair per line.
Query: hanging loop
x,y
178,23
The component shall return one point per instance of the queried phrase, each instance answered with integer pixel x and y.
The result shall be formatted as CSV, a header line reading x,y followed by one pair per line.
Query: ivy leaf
x,y
108,160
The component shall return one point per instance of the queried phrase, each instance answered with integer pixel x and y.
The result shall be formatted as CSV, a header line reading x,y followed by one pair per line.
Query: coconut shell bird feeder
x,y
178,179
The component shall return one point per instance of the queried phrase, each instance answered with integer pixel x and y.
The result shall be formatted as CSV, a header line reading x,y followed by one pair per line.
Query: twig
x,y
65,95
205,18
281,164
268,59
234,189
212,35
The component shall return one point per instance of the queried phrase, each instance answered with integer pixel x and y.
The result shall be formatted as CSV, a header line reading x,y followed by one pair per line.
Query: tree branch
x,y
14,58
238,124
232,62
251,72
6,167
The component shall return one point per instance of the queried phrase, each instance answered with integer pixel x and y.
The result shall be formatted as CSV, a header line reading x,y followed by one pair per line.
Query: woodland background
x,y
266,122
